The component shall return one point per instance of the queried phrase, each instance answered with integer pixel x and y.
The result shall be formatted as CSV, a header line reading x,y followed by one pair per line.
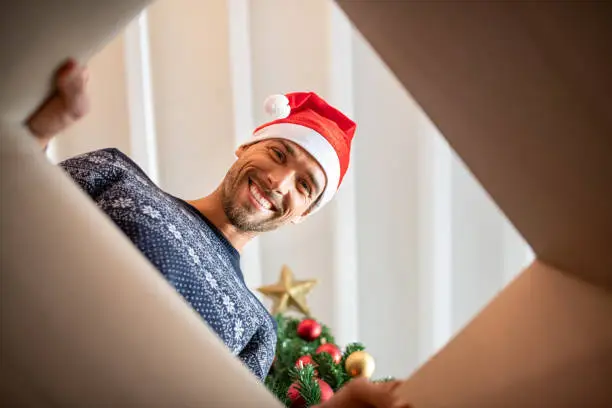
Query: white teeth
x,y
260,198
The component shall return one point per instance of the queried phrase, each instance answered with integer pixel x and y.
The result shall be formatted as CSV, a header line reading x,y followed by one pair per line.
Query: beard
x,y
240,216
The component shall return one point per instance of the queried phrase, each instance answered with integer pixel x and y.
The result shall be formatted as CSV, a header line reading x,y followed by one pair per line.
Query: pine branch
x,y
326,368
308,386
344,377
290,349
350,349
326,334
278,390
291,325
330,372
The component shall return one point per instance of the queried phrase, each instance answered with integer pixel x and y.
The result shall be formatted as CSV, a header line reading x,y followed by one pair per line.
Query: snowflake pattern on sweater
x,y
185,247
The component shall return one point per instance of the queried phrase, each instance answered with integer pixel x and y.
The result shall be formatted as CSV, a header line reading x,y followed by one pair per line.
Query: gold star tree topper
x,y
289,293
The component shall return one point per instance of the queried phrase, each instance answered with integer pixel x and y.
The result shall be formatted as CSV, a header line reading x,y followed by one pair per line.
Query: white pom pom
x,y
277,106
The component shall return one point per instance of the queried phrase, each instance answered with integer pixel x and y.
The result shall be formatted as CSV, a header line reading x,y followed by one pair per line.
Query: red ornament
x,y
302,361
309,329
296,398
297,401
333,350
326,390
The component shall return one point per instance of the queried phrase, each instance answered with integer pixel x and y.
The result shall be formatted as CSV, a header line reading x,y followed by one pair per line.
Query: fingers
x,y
71,77
71,83
381,395
66,67
68,103
366,394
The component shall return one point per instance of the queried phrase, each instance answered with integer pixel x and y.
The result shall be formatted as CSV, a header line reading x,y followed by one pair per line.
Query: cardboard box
x,y
521,90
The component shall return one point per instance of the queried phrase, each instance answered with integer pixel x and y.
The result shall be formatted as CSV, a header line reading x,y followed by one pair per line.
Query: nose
x,y
281,179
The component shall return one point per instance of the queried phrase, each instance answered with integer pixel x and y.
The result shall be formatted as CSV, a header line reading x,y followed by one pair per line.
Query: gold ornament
x,y
289,293
360,364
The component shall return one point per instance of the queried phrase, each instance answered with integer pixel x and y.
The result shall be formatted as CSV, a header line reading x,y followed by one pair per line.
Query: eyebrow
x,y
292,153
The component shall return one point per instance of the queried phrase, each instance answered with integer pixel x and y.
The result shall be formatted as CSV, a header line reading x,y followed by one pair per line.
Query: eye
x,y
279,155
304,184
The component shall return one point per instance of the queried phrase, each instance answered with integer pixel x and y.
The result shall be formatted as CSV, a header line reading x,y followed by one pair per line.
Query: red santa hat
x,y
320,129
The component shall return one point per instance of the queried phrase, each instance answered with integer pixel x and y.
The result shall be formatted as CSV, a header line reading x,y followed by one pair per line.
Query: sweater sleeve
x,y
259,353
93,171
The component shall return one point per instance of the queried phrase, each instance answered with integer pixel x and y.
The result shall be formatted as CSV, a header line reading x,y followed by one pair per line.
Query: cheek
x,y
260,163
236,185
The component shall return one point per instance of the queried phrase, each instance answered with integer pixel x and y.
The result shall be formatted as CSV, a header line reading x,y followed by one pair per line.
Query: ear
x,y
299,219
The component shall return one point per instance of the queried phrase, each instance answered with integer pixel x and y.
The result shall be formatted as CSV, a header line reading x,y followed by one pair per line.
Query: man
x,y
289,169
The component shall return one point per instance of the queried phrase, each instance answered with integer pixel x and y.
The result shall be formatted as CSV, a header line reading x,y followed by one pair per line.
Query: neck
x,y
211,207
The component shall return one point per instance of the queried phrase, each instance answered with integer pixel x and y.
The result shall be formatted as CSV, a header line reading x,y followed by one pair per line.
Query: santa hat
x,y
323,131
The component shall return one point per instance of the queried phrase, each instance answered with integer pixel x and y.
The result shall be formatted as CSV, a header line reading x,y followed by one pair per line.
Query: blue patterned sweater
x,y
185,247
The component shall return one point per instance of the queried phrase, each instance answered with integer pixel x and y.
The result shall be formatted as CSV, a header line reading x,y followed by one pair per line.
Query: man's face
x,y
272,183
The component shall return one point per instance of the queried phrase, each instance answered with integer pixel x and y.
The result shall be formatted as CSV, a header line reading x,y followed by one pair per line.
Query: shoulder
x,y
95,161
100,156
108,161
94,156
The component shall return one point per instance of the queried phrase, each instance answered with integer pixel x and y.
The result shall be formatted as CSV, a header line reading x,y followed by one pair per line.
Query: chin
x,y
245,218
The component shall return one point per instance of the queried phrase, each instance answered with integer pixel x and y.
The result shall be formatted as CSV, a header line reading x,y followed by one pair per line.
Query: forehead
x,y
301,156
299,152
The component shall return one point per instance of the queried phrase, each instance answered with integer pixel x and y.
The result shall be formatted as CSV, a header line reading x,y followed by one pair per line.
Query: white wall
x,y
411,249
387,211
192,93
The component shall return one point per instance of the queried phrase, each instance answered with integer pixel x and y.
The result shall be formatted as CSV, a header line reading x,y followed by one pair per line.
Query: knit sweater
x,y
185,247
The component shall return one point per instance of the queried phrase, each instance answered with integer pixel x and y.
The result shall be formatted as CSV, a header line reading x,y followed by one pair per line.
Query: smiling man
x,y
289,169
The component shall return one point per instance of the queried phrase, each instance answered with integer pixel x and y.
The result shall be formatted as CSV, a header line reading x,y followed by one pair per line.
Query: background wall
x,y
412,247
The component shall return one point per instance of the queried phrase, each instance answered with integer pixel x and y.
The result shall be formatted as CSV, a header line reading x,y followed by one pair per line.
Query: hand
x,y
68,103
361,393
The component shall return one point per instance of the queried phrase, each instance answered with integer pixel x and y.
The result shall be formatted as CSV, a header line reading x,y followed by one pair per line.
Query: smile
x,y
258,197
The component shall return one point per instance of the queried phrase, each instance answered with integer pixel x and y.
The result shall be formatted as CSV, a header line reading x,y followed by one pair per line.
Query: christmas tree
x,y
308,366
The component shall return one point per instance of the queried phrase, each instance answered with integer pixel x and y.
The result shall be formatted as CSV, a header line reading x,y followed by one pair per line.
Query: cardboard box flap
x,y
521,90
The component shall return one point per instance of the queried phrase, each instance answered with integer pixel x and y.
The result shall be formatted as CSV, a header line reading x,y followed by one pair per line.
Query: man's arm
x,y
67,104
